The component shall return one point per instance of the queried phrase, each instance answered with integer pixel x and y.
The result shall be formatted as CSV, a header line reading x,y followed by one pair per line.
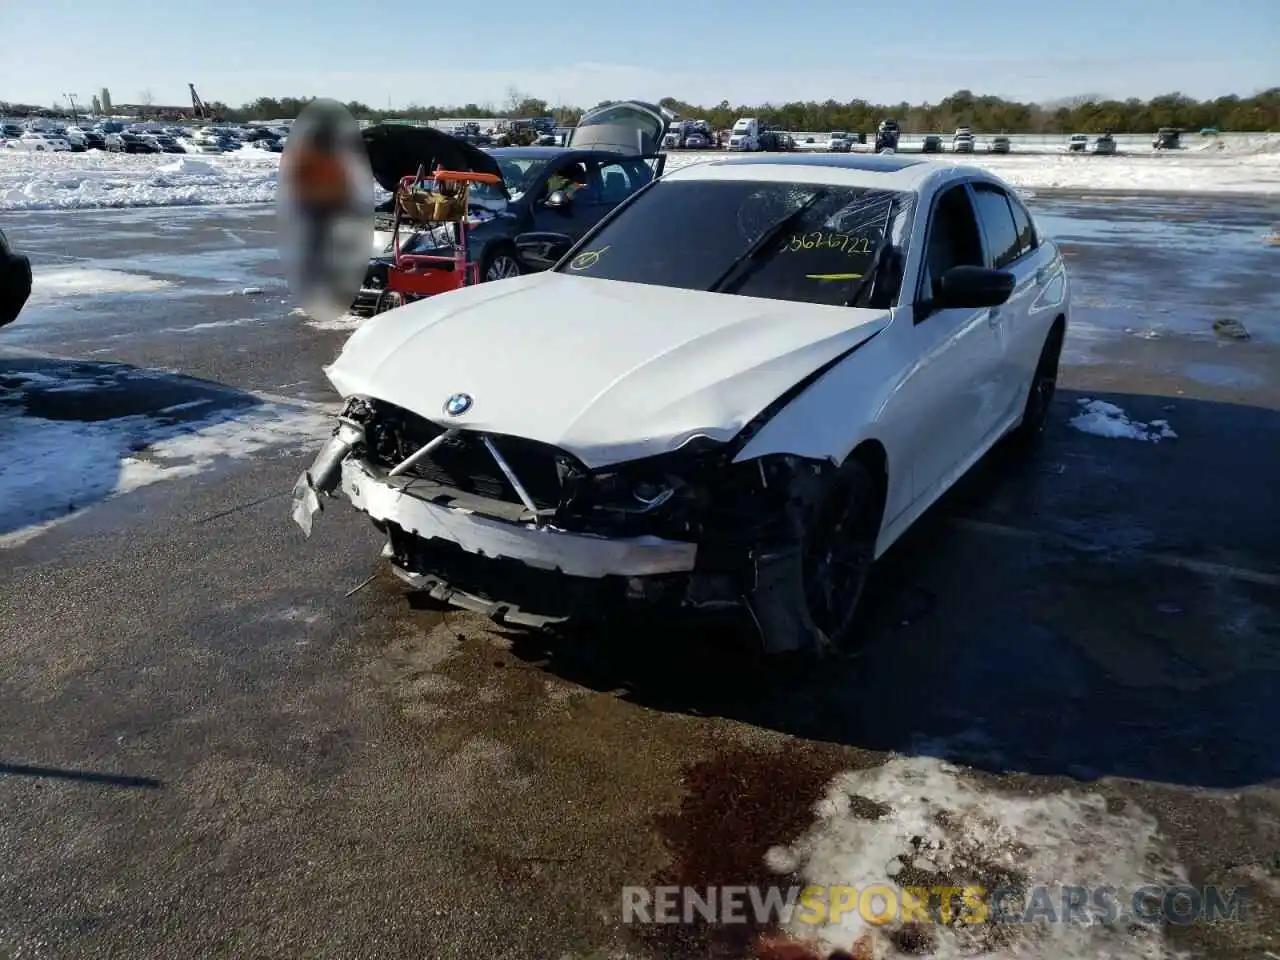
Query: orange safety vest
x,y
319,178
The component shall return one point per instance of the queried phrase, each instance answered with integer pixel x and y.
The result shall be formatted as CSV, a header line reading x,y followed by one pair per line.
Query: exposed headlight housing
x,y
665,492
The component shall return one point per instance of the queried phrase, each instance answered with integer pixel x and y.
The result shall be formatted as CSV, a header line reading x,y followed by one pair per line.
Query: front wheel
x,y
806,596
500,264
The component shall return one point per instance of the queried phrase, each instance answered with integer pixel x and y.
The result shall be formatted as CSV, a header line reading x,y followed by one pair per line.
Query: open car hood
x,y
398,150
608,371
632,127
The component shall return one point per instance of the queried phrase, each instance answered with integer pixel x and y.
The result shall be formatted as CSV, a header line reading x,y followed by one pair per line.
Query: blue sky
x,y
746,51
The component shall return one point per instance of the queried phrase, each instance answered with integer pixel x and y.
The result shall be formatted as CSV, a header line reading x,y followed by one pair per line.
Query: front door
x,y
605,184
948,406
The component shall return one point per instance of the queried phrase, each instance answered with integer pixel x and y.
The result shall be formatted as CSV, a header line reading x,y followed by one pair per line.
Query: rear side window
x,y
1027,239
997,223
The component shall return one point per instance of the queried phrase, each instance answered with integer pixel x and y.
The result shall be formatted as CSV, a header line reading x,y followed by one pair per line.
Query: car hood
x,y
608,371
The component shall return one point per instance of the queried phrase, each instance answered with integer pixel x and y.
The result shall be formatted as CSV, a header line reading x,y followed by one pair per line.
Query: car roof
x,y
883,171
546,152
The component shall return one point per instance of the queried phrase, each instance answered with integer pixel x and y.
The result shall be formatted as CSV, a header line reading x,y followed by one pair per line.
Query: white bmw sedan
x,y
740,387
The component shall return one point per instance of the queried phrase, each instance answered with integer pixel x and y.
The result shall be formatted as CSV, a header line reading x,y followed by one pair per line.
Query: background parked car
x,y
998,145
163,143
1105,144
95,140
1079,143
931,144
887,135
42,143
75,137
839,142
962,142
1167,138
618,154
131,143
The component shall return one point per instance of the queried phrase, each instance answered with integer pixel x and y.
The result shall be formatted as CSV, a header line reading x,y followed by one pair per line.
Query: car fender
x,y
833,410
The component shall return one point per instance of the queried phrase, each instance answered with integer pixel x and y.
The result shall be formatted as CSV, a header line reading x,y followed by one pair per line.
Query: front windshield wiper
x,y
770,234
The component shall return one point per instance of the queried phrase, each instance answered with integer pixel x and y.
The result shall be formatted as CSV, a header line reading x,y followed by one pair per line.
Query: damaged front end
x,y
524,532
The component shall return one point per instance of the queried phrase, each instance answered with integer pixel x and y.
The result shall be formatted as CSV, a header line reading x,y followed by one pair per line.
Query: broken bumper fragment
x,y
391,500
324,474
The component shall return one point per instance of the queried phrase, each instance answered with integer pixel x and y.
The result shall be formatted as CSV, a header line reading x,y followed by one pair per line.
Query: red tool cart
x,y
436,202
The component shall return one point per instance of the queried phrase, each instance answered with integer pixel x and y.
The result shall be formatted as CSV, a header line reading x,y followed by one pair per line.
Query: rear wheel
x,y
1044,383
388,300
806,598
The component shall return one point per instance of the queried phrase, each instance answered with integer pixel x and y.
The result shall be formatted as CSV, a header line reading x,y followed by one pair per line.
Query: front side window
x,y
953,241
808,243
997,223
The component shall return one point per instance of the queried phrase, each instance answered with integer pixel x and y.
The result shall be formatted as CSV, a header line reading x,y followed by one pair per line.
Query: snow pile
x,y
41,181
1240,144
917,822
51,469
348,321
52,181
1104,419
53,282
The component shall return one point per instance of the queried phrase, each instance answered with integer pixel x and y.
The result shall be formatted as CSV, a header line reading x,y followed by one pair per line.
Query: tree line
x,y
1088,113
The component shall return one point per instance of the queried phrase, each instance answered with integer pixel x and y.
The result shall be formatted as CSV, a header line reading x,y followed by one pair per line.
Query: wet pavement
x,y
224,740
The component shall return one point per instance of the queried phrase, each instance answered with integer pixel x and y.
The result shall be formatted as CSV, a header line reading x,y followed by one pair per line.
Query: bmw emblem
x,y
458,404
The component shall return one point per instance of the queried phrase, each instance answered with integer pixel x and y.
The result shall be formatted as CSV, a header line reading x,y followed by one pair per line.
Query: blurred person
x,y
324,205
322,191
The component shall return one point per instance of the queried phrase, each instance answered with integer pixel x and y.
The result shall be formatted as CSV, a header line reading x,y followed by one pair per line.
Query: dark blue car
x,y
613,152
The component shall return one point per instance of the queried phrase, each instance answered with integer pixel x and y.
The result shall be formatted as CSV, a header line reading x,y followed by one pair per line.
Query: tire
x,y
388,300
805,599
1044,383
500,263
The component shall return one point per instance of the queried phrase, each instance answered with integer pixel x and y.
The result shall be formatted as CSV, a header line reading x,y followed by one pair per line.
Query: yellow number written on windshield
x,y
821,240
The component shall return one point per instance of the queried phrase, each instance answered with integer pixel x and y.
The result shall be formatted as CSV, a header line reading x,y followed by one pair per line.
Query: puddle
x,y
1201,237
1222,375
232,265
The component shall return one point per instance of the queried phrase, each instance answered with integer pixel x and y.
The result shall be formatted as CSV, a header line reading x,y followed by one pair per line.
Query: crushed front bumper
x,y
391,500
500,567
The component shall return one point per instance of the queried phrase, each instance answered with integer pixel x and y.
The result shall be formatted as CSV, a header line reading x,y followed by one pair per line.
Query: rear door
x,y
1009,246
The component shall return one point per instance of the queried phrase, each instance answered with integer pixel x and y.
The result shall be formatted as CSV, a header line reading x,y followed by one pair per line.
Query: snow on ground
x,y
41,181
53,282
348,321
920,822
50,469
55,181
1104,419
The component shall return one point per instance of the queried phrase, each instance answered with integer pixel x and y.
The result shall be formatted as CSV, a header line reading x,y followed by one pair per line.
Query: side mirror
x,y
973,288
541,250
558,200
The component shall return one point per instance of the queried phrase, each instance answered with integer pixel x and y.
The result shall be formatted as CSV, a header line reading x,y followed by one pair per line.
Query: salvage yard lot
x,y
297,758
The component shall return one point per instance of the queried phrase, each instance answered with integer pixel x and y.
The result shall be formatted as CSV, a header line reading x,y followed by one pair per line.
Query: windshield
x,y
518,173
688,234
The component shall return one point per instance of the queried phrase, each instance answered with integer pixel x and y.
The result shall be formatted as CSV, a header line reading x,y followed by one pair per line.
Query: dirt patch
x,y
736,807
